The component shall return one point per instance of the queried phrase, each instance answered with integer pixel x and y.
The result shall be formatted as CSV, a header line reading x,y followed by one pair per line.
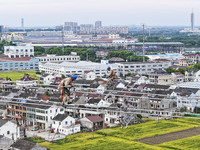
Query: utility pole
x,y
63,38
143,42
149,32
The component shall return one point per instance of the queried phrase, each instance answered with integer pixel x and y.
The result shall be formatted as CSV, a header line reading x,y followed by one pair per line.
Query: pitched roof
x,y
185,90
95,119
116,59
157,86
23,145
27,78
15,59
2,122
60,117
94,101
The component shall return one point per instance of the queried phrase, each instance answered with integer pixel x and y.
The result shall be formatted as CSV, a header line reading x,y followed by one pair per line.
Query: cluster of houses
x,y
146,89
94,103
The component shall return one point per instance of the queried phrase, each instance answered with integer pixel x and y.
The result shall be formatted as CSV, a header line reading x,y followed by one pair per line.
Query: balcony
x,y
23,111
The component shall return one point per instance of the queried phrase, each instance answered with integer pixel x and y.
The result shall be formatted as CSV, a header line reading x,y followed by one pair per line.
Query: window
x,y
8,132
65,122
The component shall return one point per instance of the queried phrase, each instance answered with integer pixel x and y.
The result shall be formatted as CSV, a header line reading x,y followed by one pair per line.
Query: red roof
x,y
178,73
79,94
92,95
58,80
27,78
15,59
189,55
95,119
161,59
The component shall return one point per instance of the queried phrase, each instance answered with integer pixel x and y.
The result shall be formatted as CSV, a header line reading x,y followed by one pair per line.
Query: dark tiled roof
x,y
2,122
94,101
116,59
27,78
161,92
60,117
15,59
95,119
181,90
157,86
23,145
45,75
83,81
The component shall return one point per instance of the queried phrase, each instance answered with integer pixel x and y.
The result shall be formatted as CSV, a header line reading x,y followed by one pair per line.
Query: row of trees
x,y
171,70
126,55
84,53
4,43
192,41
195,67
88,54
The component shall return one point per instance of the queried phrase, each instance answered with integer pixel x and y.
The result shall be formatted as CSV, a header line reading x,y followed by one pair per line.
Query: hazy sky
x,y
111,12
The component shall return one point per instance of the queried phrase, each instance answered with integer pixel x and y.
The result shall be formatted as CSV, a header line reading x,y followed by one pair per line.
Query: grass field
x,y
120,139
191,143
18,75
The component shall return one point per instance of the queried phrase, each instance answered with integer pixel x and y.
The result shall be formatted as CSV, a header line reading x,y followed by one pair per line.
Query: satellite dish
x,y
4,114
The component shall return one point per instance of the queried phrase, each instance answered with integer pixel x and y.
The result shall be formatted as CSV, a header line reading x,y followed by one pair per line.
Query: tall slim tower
x,y
192,21
22,22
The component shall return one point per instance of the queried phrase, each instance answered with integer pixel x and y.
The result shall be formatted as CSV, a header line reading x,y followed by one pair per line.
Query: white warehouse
x,y
140,67
54,58
78,68
19,51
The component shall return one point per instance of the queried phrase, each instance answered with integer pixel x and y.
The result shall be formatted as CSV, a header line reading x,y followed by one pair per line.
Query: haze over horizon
x,y
112,12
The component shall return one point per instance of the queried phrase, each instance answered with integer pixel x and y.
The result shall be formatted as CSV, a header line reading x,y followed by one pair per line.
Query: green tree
x,y
181,70
170,70
38,50
182,109
47,93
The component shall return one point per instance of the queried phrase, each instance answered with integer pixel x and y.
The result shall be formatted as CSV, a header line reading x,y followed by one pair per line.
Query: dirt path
x,y
158,139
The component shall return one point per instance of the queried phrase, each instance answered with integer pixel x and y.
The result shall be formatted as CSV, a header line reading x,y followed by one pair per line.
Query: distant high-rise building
x,y
98,24
71,26
22,22
1,29
86,28
192,21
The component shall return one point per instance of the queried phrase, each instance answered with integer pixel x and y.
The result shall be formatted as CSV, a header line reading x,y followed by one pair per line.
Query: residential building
x,y
86,28
42,116
56,59
64,124
98,24
35,114
92,122
9,129
47,79
123,30
177,77
185,62
19,51
26,81
140,67
89,75
17,64
44,34
195,58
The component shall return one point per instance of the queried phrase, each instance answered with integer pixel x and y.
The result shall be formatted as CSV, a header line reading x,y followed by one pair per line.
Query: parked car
x,y
35,129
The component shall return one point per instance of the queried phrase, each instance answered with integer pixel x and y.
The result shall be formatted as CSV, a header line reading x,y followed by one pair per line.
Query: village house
x,y
64,124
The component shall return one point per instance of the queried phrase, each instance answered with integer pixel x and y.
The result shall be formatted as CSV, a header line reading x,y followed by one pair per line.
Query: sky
x,y
110,12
